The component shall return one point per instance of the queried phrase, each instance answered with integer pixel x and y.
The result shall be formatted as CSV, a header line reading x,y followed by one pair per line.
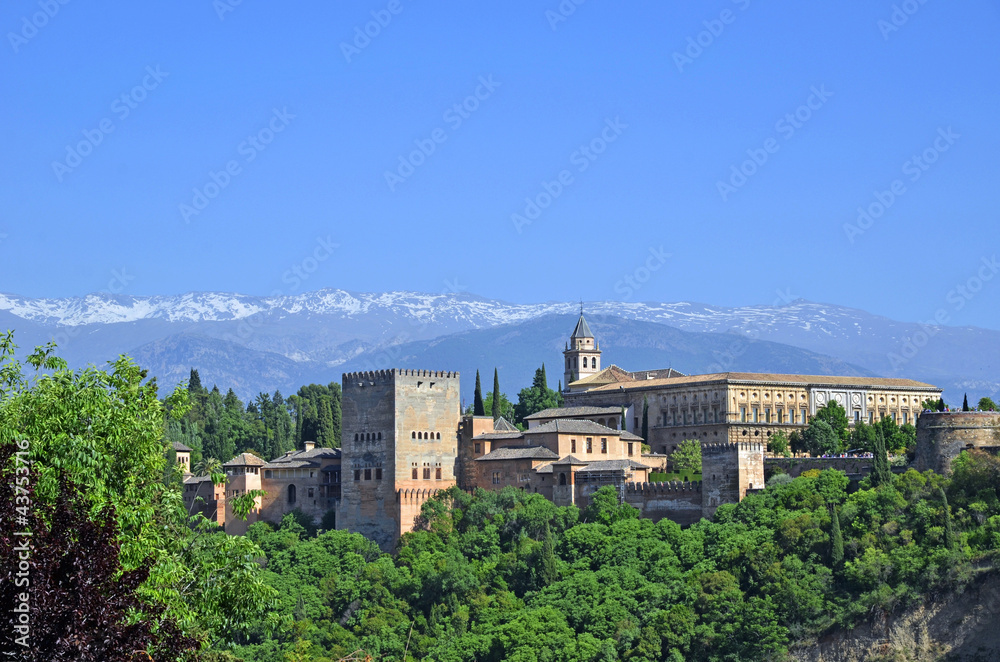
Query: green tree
x,y
535,398
836,538
987,404
881,473
495,409
478,408
965,402
836,417
687,458
820,438
949,533
778,443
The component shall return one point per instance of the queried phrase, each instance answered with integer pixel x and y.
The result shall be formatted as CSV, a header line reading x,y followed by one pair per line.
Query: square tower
x,y
728,471
399,446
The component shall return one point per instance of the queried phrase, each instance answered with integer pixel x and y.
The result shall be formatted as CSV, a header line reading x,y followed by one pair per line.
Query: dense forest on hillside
x,y
221,426
510,576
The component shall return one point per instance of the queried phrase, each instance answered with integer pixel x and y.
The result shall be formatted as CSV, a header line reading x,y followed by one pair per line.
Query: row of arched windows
x,y
593,362
367,436
425,435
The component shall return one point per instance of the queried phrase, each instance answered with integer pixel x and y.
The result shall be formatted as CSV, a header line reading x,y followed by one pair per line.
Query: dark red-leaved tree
x,y
79,599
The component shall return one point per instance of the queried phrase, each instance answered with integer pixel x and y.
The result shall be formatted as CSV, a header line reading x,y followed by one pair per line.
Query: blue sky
x,y
623,122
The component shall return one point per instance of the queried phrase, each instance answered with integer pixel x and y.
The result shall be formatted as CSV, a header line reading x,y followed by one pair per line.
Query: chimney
x,y
309,445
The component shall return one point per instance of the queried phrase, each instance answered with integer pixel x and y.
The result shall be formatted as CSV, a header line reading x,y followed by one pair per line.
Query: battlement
x,y
730,446
389,376
675,487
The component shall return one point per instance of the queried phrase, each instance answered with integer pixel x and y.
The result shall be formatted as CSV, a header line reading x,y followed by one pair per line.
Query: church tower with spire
x,y
582,353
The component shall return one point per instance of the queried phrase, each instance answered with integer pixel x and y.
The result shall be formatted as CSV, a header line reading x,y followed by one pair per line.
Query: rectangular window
x,y
437,473
893,417
477,447
767,415
857,415
368,474
590,445
310,492
604,445
357,474
630,448
802,416
572,445
905,417
496,477
871,417
743,414
756,415
635,422
378,473
427,473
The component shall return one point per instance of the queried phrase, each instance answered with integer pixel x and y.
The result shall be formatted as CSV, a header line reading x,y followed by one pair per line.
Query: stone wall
x,y
728,470
676,501
855,467
941,436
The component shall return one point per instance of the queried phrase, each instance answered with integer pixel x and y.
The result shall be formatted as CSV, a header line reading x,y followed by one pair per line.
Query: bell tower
x,y
582,353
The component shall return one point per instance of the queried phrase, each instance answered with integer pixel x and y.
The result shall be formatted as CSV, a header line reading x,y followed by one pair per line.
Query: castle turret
x,y
582,353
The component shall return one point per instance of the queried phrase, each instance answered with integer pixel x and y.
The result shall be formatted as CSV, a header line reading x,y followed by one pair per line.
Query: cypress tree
x,y
622,426
194,382
645,419
949,533
496,395
836,538
940,404
965,403
545,381
549,571
477,408
881,474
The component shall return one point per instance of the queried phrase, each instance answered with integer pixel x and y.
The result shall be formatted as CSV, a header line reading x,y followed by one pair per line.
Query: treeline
x,y
221,426
510,576
530,400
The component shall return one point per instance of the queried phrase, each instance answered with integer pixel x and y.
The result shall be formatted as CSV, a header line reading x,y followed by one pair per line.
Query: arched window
x,y
413,435
291,494
438,435
380,436
355,436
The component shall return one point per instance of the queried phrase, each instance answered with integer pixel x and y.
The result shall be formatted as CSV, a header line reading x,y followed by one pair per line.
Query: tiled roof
x,y
196,479
582,329
614,465
299,459
503,425
487,436
571,460
611,374
628,436
244,460
519,453
573,426
574,412
180,448
753,378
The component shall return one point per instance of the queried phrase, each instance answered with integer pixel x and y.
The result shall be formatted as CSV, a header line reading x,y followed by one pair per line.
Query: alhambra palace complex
x,y
405,438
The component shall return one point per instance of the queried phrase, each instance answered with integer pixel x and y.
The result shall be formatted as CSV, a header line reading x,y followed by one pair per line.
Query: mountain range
x,y
254,344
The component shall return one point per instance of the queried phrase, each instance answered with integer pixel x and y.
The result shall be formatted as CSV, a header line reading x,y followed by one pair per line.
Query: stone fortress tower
x,y
582,354
941,436
399,446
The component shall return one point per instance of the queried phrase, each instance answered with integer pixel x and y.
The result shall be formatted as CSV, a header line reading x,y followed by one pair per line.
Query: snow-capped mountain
x,y
332,327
